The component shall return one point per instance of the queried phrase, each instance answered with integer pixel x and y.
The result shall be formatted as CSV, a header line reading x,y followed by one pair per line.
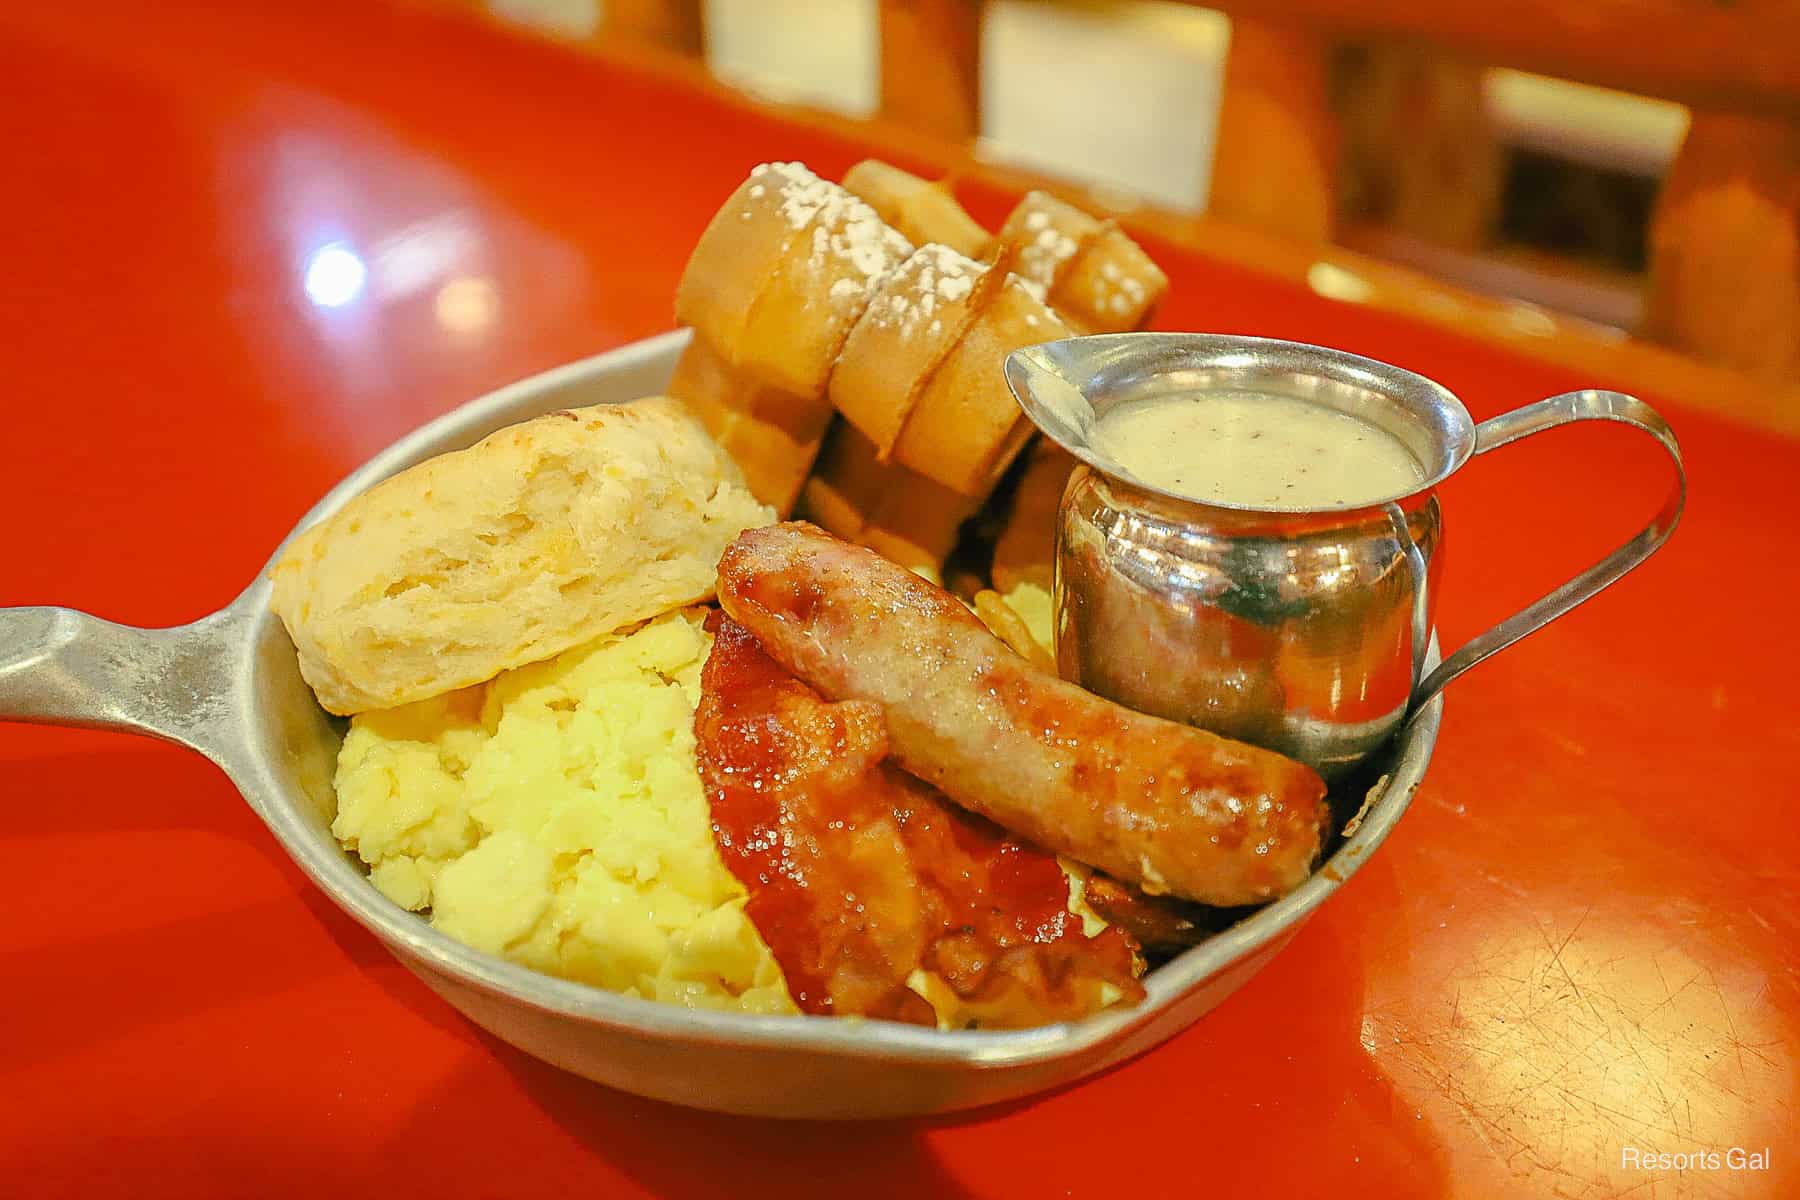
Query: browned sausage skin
x,y
1169,807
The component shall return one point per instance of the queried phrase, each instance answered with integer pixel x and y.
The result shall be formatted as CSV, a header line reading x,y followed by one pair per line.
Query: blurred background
x,y
1407,132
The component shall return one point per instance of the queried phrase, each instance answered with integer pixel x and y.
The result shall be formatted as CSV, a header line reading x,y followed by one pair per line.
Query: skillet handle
x,y
63,667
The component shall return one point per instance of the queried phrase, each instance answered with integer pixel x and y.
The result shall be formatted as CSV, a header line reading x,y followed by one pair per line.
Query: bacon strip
x,y
859,875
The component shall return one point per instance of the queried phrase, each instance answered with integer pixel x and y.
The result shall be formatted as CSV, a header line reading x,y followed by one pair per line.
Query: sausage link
x,y
1169,807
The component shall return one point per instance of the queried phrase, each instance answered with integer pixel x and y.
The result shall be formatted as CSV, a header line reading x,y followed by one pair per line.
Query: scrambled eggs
x,y
554,816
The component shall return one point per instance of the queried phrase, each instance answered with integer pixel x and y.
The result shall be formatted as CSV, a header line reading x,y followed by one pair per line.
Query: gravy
x,y
1258,451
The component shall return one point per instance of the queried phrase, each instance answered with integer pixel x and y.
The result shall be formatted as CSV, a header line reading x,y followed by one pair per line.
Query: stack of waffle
x,y
849,342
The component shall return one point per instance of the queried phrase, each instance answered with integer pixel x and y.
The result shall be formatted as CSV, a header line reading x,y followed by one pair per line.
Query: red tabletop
x,y
1580,942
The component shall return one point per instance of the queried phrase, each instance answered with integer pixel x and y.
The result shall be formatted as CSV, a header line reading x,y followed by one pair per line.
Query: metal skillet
x,y
229,687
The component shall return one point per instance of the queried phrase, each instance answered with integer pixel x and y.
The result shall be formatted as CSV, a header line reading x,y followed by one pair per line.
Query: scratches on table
x,y
1563,1040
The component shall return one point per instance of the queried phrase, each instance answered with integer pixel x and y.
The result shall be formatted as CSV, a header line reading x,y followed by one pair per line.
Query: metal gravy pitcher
x,y
1306,630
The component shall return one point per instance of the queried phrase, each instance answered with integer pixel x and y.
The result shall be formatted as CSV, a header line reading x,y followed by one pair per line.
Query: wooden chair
x,y
1724,279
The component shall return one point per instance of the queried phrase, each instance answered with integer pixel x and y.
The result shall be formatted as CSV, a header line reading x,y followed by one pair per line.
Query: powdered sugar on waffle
x,y
1043,248
848,239
1117,292
1031,319
934,278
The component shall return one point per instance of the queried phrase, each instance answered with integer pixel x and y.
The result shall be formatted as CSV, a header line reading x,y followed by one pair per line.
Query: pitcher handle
x,y
59,666
1586,405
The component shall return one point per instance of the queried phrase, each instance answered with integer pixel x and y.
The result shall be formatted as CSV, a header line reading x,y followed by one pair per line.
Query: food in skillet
x,y
539,763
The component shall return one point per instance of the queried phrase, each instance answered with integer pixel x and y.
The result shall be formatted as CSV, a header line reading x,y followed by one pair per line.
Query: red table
x,y
1581,940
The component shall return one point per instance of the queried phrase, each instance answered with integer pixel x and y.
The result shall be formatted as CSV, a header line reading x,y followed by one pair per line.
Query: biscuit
x,y
543,536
